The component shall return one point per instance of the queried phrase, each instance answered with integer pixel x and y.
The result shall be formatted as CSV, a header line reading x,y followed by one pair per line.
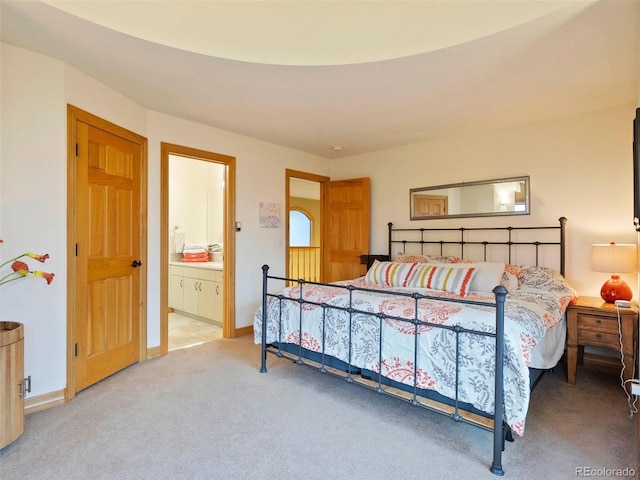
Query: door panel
x,y
346,228
108,228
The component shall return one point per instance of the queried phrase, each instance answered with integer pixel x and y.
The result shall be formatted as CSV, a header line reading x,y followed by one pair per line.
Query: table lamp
x,y
614,258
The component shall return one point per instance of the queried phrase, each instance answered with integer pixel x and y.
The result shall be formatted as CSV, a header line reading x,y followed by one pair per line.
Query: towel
x,y
195,257
196,246
194,250
178,239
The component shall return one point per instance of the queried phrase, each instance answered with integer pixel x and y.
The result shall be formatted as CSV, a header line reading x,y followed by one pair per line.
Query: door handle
x,y
136,263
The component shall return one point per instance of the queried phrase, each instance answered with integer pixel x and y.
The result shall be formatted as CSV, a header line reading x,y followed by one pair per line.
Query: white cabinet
x,y
196,291
218,304
176,287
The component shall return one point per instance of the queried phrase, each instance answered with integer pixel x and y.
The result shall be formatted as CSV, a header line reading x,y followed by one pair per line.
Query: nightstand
x,y
590,321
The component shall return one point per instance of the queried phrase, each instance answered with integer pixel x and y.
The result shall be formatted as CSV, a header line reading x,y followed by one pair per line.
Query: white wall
x,y
580,168
190,182
33,207
33,197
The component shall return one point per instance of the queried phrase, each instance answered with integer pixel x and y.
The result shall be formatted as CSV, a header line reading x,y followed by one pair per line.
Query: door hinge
x,y
77,349
76,249
77,149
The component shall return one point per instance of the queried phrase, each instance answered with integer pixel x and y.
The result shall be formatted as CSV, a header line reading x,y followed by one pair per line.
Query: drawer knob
x,y
598,336
598,322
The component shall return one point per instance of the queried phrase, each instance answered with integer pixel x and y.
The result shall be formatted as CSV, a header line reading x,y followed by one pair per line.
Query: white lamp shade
x,y
614,257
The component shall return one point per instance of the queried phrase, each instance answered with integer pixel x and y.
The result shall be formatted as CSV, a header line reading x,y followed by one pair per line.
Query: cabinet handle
x,y
181,280
200,286
217,289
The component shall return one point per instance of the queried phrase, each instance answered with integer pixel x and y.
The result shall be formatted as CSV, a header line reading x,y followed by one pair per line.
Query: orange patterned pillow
x,y
393,274
445,278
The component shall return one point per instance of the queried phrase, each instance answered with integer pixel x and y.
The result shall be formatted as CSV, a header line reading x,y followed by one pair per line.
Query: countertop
x,y
206,265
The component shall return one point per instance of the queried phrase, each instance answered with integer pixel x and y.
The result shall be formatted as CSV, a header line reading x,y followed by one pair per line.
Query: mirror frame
x,y
414,191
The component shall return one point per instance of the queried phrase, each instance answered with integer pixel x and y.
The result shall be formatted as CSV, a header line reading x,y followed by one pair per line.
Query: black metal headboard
x,y
482,242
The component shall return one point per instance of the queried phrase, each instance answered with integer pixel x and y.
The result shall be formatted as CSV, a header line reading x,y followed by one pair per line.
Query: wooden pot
x,y
11,382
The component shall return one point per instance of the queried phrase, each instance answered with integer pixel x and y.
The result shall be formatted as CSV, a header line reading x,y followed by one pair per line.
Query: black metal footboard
x,y
352,374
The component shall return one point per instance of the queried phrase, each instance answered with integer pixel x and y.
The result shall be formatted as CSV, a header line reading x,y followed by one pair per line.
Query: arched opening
x,y
300,228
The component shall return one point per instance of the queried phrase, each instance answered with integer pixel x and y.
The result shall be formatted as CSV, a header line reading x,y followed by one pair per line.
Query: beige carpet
x,y
207,413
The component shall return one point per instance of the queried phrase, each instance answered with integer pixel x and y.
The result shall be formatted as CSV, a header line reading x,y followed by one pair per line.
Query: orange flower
x,y
40,258
21,269
47,276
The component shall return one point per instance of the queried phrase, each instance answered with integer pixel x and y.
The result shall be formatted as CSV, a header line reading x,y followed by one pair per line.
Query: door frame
x,y
229,244
74,115
323,181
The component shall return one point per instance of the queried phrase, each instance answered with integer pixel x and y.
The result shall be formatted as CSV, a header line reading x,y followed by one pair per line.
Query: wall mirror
x,y
488,198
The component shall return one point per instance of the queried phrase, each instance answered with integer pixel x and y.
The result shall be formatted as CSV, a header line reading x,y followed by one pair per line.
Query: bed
x,y
461,321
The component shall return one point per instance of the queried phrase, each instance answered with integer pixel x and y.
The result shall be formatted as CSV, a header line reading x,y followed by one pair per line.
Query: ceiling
x,y
360,75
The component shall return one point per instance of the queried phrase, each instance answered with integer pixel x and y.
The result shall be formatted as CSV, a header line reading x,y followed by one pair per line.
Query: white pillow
x,y
488,274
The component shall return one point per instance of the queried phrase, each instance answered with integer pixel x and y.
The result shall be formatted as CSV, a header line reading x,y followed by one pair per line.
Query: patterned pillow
x,y
447,278
488,275
509,281
409,258
543,278
393,274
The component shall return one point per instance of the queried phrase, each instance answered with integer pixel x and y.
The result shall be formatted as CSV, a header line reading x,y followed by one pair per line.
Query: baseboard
x,y
45,401
239,332
153,352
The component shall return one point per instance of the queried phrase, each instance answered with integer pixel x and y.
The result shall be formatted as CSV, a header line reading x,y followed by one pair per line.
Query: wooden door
x,y
346,228
107,262
427,205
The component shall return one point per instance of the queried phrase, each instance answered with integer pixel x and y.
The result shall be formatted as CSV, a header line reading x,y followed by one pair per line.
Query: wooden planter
x,y
11,382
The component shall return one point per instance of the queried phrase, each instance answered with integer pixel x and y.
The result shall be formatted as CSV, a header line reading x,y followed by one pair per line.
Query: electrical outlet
x,y
635,389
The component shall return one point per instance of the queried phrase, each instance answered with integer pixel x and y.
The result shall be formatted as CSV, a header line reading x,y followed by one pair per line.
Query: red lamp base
x,y
615,289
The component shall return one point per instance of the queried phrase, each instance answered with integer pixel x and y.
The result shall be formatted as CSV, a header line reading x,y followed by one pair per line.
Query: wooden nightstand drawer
x,y
591,337
597,323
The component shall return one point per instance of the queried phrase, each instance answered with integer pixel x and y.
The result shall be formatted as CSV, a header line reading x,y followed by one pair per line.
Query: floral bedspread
x,y
530,311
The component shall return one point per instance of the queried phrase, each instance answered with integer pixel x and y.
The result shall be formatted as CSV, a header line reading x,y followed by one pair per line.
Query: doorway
x,y
304,194
197,244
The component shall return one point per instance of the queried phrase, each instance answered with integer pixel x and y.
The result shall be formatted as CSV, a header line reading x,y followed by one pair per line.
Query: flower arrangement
x,y
21,269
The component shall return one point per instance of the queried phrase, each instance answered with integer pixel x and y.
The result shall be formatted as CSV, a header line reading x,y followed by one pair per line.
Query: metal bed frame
x,y
350,373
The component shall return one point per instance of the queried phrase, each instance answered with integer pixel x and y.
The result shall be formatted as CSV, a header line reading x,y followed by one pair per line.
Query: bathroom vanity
x,y
197,289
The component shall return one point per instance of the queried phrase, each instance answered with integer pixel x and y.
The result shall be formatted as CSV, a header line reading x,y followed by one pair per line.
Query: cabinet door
x,y
191,293
176,286
218,304
207,299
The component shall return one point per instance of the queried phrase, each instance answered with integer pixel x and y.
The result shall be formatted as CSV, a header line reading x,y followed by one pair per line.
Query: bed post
x,y
390,225
563,223
498,423
265,271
